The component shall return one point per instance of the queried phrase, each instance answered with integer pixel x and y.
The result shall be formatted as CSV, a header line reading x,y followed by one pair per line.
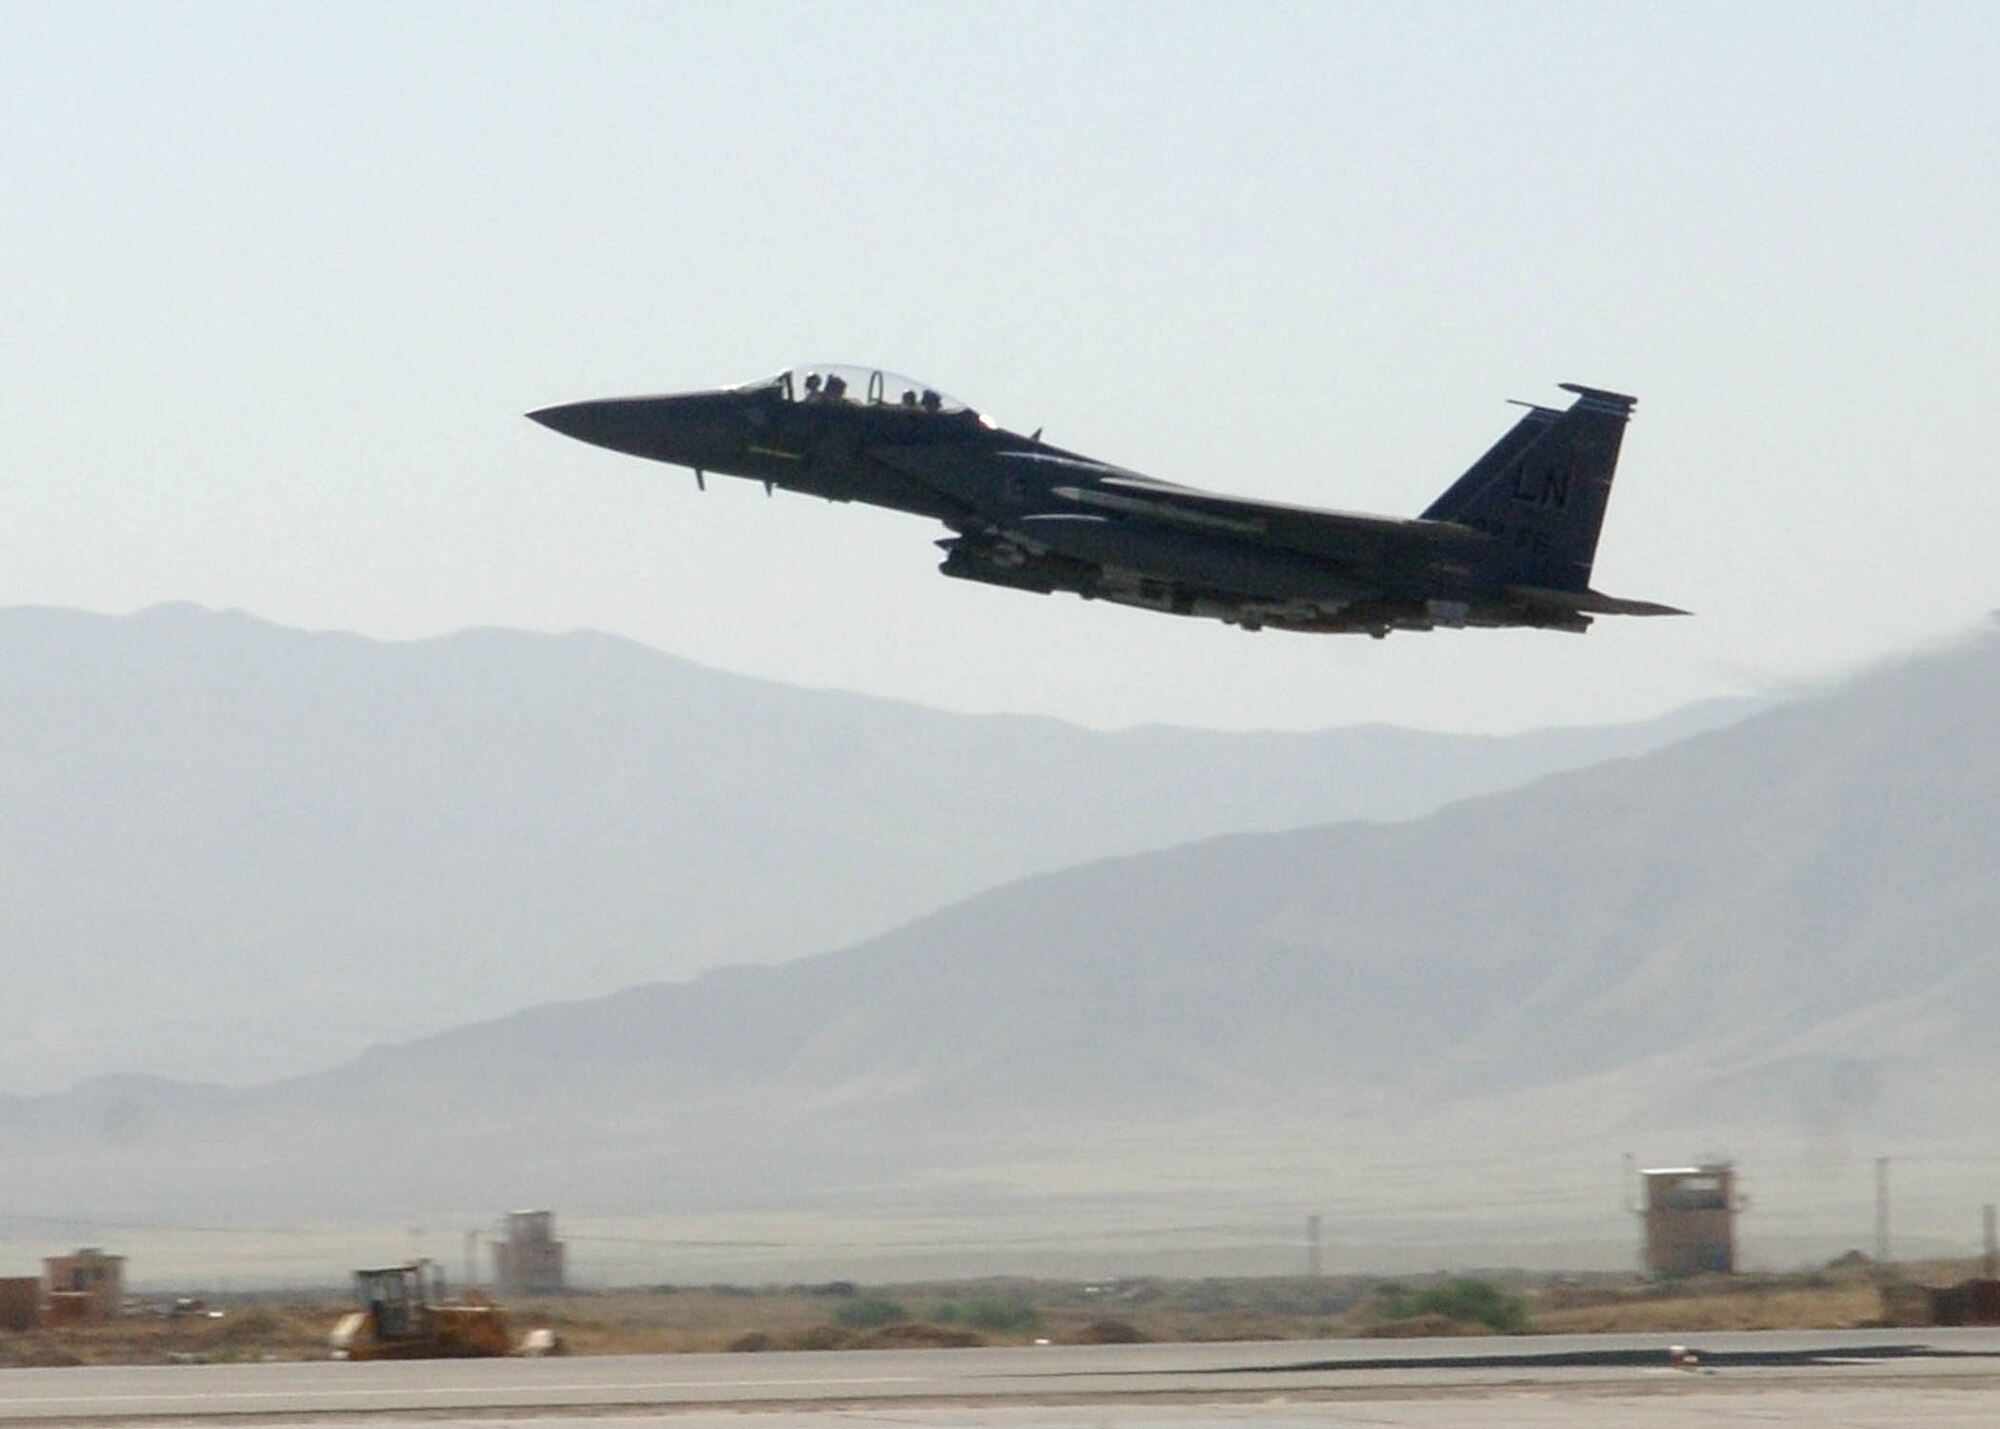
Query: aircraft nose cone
x,y
599,423
691,430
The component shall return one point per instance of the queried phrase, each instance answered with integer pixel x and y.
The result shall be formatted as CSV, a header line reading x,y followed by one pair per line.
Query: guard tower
x,y
1690,1217
88,1285
528,1259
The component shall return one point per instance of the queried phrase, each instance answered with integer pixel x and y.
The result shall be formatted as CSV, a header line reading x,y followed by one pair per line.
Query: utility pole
x,y
1992,1246
1315,1268
1882,1209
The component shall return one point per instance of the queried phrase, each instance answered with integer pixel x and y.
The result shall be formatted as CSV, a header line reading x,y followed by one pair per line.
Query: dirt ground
x,y
673,1320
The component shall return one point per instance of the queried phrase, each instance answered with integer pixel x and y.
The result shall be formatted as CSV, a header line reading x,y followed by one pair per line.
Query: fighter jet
x,y
1510,543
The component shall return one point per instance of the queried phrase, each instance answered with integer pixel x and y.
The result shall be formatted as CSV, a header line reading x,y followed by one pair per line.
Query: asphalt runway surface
x,y
1862,1378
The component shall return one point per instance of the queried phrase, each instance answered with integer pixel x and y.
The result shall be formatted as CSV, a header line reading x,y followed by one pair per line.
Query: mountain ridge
x,y
232,850
1771,939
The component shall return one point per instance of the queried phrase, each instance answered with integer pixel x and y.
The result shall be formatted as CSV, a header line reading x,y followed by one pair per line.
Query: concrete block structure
x,y
90,1273
20,1302
1690,1219
528,1259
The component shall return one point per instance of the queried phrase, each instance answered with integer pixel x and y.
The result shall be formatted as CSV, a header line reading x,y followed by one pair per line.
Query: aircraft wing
x,y
1099,488
1311,529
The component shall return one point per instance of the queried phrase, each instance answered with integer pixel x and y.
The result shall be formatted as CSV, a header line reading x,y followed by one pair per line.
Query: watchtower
x,y
88,1285
528,1259
1690,1219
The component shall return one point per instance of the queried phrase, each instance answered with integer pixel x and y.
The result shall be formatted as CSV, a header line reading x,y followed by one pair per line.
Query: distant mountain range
x,y
1774,938
232,851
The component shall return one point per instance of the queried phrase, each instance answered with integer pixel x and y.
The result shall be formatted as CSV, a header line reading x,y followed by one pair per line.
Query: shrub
x,y
869,1312
1003,1317
1470,1302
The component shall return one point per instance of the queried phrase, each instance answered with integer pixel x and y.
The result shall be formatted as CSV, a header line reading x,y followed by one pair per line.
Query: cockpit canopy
x,y
860,386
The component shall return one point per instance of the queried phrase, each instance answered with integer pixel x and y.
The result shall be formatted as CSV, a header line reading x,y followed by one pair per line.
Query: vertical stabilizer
x,y
1542,489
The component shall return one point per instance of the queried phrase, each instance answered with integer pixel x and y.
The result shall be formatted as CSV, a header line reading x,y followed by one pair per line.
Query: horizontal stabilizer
x,y
1592,602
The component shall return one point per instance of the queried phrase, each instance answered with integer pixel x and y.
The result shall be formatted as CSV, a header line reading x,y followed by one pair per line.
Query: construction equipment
x,y
404,1315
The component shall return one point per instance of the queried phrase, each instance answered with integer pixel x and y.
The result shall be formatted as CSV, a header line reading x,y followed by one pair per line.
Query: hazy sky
x,y
282,278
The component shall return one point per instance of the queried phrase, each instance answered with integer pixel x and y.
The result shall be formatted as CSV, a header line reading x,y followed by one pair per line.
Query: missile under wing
x,y
1509,543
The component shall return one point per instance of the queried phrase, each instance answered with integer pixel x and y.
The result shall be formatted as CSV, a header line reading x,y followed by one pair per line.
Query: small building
x,y
1690,1218
528,1259
97,1278
20,1302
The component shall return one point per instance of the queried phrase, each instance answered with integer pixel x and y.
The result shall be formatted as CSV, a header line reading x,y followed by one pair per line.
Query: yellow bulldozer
x,y
404,1315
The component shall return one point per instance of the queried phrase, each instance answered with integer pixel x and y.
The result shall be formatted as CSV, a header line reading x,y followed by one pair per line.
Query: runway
x,y
1326,1382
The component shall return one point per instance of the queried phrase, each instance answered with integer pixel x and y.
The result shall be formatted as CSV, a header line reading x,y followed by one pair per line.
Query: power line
x,y
176,1227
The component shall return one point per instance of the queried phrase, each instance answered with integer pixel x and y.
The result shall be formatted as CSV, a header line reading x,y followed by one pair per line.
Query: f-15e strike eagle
x,y
1509,543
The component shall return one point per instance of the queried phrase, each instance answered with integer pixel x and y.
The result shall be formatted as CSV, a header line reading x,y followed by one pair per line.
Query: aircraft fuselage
x,y
1510,543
